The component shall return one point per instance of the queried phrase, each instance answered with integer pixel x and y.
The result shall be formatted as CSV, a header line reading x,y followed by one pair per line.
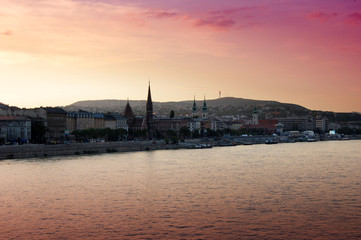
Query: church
x,y
161,127
204,113
137,123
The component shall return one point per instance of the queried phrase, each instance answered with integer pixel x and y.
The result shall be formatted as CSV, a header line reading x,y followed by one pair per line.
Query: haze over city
x,y
304,52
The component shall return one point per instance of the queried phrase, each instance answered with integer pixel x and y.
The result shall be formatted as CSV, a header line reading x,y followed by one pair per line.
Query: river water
x,y
282,191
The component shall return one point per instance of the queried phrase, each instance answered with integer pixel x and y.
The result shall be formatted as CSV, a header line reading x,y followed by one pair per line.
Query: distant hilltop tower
x,y
194,108
149,116
204,109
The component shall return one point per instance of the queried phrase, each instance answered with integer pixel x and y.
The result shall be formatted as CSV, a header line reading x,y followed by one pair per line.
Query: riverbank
x,y
36,151
41,151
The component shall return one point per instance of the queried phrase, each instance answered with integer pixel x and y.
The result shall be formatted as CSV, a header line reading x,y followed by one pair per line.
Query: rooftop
x,y
14,118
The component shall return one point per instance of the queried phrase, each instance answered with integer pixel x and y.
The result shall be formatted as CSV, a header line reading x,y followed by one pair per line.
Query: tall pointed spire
x,y
149,116
205,108
194,108
149,100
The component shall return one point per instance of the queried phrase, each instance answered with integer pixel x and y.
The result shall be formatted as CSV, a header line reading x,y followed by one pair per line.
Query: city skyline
x,y
57,53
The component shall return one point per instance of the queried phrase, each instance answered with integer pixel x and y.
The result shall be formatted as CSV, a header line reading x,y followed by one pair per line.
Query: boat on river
x,y
271,141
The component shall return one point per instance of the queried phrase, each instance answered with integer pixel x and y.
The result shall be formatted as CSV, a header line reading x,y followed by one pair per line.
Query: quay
x,y
41,150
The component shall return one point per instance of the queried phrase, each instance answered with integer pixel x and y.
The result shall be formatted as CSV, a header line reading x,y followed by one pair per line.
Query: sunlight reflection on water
x,y
283,191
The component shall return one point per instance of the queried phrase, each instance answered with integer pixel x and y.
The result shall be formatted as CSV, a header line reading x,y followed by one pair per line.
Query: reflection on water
x,y
283,191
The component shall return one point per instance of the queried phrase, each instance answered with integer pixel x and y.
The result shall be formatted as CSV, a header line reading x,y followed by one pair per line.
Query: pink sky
x,y
304,52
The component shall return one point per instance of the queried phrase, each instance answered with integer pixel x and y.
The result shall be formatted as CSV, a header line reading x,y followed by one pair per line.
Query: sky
x,y
307,52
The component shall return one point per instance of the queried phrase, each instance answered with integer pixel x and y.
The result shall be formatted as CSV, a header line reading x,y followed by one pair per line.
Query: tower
x,y
129,114
128,111
194,108
149,116
255,117
204,109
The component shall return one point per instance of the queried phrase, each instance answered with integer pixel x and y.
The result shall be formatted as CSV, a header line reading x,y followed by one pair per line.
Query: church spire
x,y
149,116
149,100
204,108
194,108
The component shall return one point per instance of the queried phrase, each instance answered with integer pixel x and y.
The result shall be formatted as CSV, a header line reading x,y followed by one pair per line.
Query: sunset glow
x,y
304,52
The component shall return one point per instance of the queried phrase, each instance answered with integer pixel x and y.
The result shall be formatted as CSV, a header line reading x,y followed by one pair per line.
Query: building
x,y
115,121
297,123
80,120
333,126
15,129
321,123
220,125
128,113
162,125
35,113
98,120
71,122
134,123
37,116
110,121
263,126
255,117
120,122
235,124
56,119
194,125
279,128
6,110
39,128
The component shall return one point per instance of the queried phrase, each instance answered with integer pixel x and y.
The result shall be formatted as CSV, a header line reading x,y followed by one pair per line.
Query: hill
x,y
216,107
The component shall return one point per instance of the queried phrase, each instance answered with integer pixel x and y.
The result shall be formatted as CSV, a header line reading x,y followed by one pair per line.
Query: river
x,y
281,191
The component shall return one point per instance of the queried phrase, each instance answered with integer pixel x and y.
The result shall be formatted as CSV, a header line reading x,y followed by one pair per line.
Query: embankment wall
x,y
35,151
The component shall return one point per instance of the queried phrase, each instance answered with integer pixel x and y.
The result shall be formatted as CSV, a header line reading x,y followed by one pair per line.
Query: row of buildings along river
x,y
55,125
